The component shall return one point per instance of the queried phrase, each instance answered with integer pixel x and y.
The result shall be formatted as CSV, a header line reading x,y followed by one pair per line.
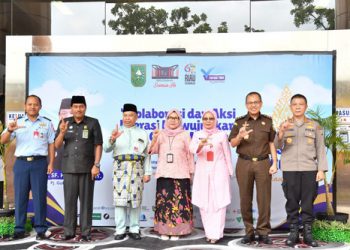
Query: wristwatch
x,y
98,165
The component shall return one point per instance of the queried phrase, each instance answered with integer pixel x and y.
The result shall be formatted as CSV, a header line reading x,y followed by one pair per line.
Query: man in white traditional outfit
x,y
131,169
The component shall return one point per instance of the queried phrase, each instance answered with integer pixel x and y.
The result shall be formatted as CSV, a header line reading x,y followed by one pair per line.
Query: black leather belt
x,y
31,158
258,158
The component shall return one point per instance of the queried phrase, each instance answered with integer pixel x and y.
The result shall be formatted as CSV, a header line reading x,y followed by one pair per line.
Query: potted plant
x,y
7,219
334,144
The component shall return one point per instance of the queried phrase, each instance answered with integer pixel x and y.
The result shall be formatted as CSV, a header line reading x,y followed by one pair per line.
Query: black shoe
x,y
86,237
68,237
248,239
135,236
40,236
307,236
293,237
265,239
120,236
18,235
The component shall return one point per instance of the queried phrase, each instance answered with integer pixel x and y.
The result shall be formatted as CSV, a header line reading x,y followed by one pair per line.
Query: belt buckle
x,y
254,159
31,158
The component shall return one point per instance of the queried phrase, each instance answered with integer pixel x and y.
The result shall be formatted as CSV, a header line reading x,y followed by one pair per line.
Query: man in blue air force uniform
x,y
34,142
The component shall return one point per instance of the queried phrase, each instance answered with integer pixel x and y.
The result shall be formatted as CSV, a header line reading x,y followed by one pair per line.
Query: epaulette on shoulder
x,y
267,116
240,117
46,118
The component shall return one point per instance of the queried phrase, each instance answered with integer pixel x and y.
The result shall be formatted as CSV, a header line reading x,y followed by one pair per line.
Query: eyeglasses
x,y
253,103
208,118
173,118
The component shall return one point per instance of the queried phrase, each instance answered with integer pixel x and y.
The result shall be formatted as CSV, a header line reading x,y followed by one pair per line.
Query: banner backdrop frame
x,y
103,215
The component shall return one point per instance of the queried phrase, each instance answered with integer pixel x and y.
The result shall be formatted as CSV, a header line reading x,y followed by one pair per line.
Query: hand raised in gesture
x,y
63,126
13,125
115,134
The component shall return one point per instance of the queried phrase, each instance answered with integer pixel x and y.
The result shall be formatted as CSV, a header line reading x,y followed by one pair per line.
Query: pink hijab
x,y
214,130
172,132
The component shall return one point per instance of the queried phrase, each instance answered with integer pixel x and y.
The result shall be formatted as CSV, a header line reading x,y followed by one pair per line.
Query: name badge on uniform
x,y
169,158
36,134
85,134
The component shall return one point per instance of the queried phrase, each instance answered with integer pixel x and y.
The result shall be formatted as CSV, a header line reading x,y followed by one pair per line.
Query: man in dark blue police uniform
x,y
82,139
34,142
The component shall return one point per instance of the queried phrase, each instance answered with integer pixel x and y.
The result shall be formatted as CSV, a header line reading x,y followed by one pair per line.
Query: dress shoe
x,y
86,237
135,236
120,236
67,237
265,239
248,239
40,236
18,235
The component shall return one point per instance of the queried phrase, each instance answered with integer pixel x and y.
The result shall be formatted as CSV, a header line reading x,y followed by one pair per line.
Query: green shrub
x,y
331,231
7,226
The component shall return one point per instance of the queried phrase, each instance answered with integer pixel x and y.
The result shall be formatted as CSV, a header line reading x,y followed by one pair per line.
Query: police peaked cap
x,y
78,99
129,107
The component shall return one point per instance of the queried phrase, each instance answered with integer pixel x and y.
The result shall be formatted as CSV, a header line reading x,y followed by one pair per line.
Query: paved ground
x,y
103,238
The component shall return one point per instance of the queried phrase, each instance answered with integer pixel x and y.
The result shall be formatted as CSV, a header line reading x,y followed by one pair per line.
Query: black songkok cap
x,y
129,107
78,99
65,103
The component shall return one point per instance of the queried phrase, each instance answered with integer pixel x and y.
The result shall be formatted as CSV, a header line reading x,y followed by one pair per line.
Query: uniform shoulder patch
x,y
266,116
46,118
240,117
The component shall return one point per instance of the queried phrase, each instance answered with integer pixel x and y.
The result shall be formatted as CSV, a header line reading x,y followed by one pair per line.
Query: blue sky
x,y
106,82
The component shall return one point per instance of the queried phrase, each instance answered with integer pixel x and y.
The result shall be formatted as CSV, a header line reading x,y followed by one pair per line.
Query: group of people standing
x,y
203,162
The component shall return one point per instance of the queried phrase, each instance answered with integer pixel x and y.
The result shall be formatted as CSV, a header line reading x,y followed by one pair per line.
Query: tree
x,y
202,27
249,29
155,21
133,19
128,19
179,18
223,27
306,12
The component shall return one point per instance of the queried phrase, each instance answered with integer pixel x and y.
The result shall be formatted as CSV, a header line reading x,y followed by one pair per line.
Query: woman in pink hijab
x,y
173,215
211,183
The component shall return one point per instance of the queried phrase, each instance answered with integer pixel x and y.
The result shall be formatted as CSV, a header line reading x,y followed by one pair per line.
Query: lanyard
x,y
171,141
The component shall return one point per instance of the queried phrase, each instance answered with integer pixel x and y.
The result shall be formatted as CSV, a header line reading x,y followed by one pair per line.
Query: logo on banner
x,y
164,73
138,75
190,74
96,216
212,77
164,76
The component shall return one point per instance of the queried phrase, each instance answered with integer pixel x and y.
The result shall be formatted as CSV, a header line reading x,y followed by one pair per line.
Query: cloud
x,y
52,92
315,93
270,95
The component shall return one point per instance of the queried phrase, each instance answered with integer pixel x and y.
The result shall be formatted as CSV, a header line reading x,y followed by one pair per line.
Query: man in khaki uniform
x,y
303,163
253,135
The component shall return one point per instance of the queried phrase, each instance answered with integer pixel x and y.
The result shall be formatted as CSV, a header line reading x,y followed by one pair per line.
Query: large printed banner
x,y
190,83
